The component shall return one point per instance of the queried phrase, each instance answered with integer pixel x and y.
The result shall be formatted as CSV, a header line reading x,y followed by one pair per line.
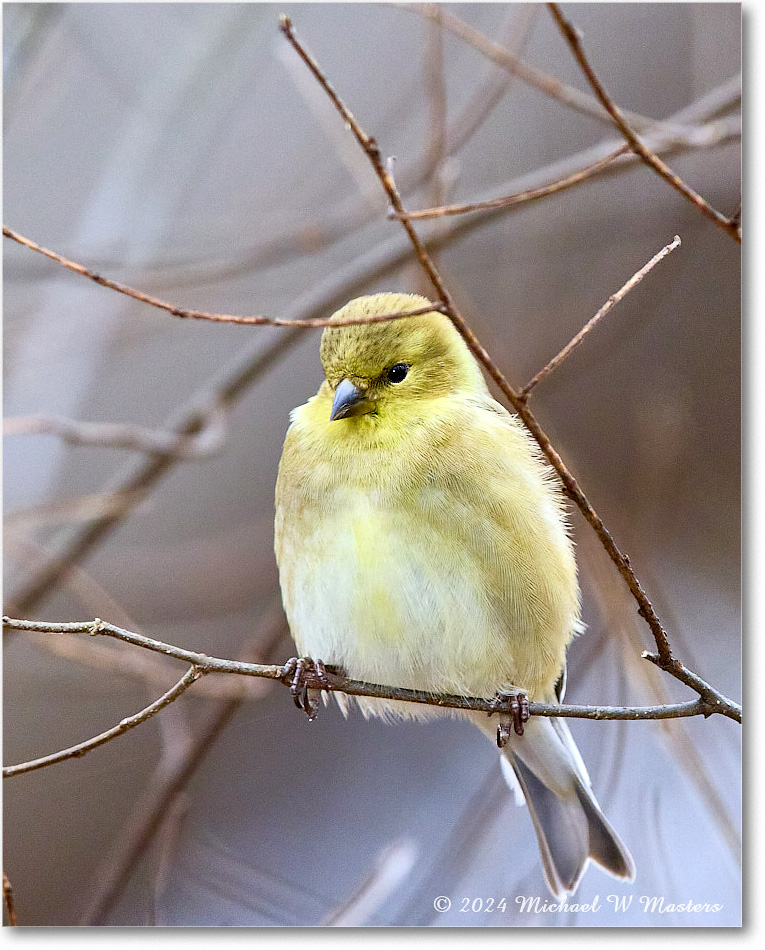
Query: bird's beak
x,y
349,401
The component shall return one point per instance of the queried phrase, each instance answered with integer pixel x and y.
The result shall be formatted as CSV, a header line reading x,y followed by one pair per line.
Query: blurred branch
x,y
10,908
434,81
651,159
76,751
68,510
567,95
206,442
607,306
665,658
150,669
708,703
392,867
171,776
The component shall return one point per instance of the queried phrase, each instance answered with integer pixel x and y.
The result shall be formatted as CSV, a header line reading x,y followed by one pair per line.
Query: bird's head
x,y
389,368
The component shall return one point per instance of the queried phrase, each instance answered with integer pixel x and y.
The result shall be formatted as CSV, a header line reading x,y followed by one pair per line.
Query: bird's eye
x,y
397,373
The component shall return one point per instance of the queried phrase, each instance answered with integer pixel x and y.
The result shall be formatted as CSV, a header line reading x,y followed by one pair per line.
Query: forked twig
x,y
651,159
76,751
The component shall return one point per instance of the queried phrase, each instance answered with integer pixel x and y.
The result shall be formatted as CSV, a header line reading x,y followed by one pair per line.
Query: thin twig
x,y
648,156
184,313
520,197
607,306
710,700
76,751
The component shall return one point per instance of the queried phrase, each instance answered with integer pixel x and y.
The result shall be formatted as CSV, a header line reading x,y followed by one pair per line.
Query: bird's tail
x,y
570,827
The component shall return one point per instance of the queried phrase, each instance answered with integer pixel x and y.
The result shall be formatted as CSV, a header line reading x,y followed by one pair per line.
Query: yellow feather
x,y
423,544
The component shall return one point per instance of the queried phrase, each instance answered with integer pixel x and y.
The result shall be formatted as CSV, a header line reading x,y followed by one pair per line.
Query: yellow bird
x,y
422,542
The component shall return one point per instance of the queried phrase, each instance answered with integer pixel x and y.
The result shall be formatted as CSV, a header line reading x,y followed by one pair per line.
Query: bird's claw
x,y
513,706
299,672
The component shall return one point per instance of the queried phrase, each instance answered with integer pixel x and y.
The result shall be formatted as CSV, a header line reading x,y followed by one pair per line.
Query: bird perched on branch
x,y
422,543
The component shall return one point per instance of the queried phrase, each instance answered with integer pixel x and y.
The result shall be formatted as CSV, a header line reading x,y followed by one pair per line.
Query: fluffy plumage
x,y
422,542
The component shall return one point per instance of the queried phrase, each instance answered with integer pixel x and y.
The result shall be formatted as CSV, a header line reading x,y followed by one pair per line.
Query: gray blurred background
x,y
184,150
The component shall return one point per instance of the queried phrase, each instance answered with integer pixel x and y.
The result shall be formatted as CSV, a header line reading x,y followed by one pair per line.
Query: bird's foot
x,y
299,672
513,705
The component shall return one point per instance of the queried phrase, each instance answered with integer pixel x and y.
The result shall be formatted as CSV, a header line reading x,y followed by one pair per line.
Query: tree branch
x,y
521,197
592,323
76,751
651,159
184,313
708,703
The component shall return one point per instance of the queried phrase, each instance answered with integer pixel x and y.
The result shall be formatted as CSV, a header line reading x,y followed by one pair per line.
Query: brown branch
x,y
10,907
184,313
649,157
370,147
709,702
82,748
521,197
593,322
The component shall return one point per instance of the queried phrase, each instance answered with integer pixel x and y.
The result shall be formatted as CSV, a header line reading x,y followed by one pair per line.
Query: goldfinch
x,y
422,542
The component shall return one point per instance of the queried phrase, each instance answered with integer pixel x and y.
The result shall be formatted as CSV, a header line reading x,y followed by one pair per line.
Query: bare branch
x,y
651,159
76,751
521,197
311,323
710,700
205,443
607,306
